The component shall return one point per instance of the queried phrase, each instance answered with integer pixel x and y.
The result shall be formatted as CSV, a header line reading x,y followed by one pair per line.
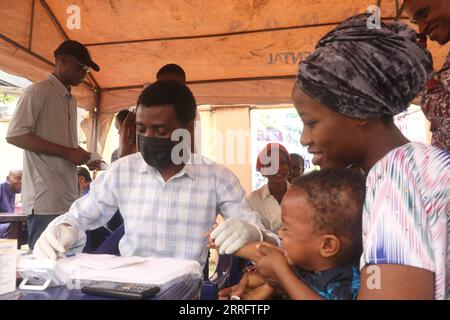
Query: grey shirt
x,y
49,183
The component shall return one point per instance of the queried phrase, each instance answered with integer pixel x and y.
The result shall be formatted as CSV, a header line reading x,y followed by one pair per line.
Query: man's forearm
x,y
33,143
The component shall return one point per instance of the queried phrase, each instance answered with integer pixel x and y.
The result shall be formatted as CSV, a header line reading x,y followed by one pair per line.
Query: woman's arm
x,y
396,282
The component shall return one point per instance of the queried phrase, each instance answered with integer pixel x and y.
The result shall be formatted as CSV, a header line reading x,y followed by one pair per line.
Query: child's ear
x,y
330,246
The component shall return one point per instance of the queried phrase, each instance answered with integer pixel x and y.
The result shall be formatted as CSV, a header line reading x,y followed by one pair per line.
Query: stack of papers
x,y
8,260
147,270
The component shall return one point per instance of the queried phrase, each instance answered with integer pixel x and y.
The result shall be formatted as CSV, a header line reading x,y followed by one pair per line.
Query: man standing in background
x,y
44,124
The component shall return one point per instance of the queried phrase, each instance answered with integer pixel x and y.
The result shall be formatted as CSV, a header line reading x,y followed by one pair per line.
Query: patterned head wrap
x,y
366,73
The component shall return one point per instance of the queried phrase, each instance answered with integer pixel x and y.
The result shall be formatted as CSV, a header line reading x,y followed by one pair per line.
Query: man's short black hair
x,y
337,196
122,115
83,172
170,92
171,68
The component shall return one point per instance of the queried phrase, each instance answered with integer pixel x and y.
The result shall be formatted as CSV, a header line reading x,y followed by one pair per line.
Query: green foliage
x,y
4,98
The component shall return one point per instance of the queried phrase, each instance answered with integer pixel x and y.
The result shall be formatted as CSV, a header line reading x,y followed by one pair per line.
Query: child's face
x,y
298,237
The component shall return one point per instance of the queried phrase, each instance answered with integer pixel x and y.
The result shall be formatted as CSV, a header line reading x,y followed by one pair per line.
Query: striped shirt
x,y
406,212
162,219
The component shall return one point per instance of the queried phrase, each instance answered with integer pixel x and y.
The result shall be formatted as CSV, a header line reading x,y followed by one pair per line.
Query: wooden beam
x,y
141,86
228,34
30,37
400,10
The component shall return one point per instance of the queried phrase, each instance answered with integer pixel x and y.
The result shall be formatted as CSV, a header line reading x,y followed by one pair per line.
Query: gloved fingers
x,y
44,250
38,253
235,246
68,237
219,229
224,235
53,240
254,234
227,243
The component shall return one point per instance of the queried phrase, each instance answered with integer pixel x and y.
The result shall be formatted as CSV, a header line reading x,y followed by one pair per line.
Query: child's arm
x,y
249,252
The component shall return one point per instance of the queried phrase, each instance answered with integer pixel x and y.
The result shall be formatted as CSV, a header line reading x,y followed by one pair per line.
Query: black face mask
x,y
157,152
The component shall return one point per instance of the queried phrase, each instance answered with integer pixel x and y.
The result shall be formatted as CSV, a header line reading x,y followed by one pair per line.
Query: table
x,y
16,221
183,288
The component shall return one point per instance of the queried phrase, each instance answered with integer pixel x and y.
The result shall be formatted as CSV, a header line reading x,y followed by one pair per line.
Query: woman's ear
x,y
330,246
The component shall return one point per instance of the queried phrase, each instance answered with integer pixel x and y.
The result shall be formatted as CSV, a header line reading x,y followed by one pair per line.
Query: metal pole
x,y
98,96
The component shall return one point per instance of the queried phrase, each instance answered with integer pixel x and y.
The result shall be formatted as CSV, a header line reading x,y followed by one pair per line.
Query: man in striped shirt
x,y
167,204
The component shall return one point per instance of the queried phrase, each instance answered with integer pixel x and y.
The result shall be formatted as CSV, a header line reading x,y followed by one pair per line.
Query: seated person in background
x,y
127,136
94,238
8,190
118,122
320,242
168,197
266,200
127,145
297,166
84,180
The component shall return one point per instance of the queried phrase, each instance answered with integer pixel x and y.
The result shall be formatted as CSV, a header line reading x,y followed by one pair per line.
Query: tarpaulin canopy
x,y
233,51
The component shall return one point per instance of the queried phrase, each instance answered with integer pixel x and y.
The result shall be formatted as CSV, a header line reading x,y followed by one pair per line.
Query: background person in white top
x,y
45,126
168,197
296,166
267,199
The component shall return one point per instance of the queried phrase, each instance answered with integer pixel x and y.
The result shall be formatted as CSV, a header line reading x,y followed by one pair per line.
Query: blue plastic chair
x,y
111,244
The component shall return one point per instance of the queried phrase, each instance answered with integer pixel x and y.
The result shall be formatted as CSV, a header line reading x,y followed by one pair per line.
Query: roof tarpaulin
x,y
233,51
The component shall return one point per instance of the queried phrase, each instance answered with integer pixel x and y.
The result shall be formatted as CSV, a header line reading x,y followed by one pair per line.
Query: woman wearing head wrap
x,y
273,163
346,94
433,19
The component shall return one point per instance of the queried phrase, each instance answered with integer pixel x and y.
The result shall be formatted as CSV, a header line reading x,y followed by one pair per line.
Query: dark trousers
x,y
115,222
5,229
36,225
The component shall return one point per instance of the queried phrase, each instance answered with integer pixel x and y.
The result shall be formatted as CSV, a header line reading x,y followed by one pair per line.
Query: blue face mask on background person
x,y
157,152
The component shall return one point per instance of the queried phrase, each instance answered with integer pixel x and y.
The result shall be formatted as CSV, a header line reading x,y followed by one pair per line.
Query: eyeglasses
x,y
84,67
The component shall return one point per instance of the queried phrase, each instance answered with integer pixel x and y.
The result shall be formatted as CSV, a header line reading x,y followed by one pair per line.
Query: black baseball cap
x,y
77,50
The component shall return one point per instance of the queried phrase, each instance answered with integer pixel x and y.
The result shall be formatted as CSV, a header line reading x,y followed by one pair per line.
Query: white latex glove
x,y
54,241
233,234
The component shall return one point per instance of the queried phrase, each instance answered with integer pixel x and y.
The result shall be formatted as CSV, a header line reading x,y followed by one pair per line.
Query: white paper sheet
x,y
8,261
103,267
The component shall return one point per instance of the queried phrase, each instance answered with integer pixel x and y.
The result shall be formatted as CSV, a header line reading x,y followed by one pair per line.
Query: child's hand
x,y
270,264
211,243
251,287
